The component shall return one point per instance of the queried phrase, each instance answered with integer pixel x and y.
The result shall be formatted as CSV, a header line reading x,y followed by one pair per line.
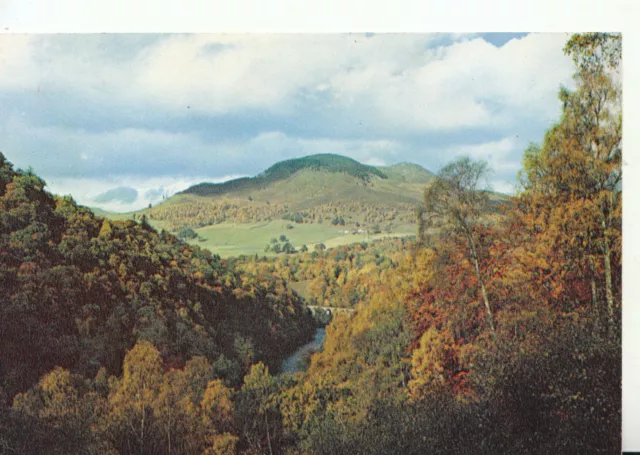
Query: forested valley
x,y
496,334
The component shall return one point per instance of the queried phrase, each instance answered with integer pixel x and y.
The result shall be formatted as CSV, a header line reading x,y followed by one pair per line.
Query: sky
x,y
122,120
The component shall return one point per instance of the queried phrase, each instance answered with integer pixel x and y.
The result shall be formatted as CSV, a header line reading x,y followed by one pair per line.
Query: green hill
x,y
407,172
285,169
322,185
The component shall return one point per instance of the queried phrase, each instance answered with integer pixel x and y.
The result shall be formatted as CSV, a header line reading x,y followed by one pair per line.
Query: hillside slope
x,y
312,189
407,172
79,290
285,169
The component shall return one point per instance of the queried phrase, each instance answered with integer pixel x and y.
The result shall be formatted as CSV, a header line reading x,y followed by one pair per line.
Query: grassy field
x,y
234,239
229,239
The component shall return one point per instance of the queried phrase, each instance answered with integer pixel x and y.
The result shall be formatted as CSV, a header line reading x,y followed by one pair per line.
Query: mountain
x,y
122,194
311,189
407,172
285,169
304,183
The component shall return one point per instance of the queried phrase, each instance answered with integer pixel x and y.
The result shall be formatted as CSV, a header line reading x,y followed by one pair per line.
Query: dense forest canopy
x,y
79,290
481,335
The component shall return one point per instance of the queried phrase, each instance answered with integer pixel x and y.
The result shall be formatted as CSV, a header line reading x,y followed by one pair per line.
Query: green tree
x,y
288,248
187,233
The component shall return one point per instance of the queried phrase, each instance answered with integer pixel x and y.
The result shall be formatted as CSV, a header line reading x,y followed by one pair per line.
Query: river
x,y
298,360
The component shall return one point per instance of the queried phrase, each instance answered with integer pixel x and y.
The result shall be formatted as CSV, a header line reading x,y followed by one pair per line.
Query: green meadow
x,y
234,239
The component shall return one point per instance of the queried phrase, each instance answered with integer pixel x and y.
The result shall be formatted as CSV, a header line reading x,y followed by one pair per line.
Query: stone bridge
x,y
331,309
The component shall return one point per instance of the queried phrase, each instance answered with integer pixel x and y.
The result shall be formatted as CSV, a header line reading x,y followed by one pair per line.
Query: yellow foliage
x,y
222,444
218,406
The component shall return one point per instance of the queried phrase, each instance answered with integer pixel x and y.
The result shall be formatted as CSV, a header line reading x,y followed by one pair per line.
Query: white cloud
x,y
503,156
150,190
58,151
16,65
467,84
207,106
375,162
395,82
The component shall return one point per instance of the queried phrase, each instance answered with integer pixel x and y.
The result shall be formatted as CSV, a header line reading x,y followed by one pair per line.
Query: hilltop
x,y
310,189
407,172
284,169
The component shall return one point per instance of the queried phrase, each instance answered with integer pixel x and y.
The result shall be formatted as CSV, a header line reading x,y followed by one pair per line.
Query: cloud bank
x,y
153,113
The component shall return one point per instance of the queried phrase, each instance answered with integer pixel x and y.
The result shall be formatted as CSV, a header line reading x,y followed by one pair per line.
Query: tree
x,y
456,198
131,399
436,366
594,111
218,406
172,407
254,407
62,401
144,222
578,168
187,233
288,248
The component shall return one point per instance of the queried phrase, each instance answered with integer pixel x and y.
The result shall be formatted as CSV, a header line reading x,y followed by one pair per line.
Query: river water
x,y
298,360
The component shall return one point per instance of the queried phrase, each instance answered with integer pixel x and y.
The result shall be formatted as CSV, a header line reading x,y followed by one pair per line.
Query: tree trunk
x,y
474,257
142,429
266,421
594,288
607,261
169,437
608,284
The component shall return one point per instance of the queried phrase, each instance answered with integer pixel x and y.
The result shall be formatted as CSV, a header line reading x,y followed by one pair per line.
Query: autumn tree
x,y
65,403
457,199
131,420
575,175
255,409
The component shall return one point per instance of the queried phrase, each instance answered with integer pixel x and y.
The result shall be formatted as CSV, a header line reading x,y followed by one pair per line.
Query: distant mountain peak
x,y
323,161
123,194
407,172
